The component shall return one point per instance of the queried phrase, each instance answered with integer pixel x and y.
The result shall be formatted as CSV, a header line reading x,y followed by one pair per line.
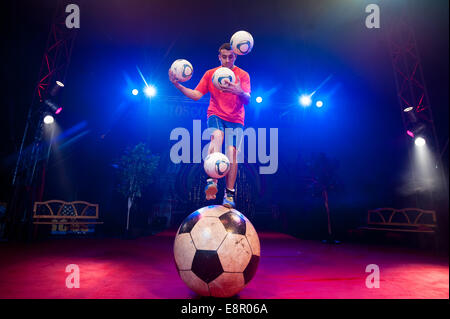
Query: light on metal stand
x,y
56,109
56,88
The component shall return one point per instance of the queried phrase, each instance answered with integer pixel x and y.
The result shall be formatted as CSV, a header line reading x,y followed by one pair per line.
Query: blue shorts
x,y
215,122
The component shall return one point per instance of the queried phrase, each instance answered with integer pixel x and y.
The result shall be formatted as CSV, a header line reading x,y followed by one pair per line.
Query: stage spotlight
x,y
319,103
305,100
150,91
419,141
410,114
48,119
414,129
53,107
134,92
58,85
408,109
259,99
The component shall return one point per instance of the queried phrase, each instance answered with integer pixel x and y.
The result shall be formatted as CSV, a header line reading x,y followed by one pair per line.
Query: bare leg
x,y
231,176
214,146
216,142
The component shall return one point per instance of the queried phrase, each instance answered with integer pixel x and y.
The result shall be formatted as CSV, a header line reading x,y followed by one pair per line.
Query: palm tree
x,y
322,179
137,169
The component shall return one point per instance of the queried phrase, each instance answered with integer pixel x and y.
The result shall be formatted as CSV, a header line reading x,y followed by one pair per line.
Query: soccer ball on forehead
x,y
241,42
216,251
216,165
221,76
182,69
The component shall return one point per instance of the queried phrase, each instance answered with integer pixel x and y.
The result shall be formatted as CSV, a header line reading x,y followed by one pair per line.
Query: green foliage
x,y
137,168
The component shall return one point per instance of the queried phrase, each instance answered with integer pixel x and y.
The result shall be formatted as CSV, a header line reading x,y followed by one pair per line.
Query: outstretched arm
x,y
192,94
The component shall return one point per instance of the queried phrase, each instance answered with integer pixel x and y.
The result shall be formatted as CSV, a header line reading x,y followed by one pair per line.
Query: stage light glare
x,y
419,141
410,133
305,100
48,119
56,109
150,91
407,109
319,103
259,99
56,88
134,92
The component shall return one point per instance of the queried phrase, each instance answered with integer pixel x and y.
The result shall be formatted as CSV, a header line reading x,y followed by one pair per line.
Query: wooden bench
x,y
76,215
413,220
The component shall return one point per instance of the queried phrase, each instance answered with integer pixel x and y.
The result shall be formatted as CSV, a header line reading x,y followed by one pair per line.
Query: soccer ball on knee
x,y
216,165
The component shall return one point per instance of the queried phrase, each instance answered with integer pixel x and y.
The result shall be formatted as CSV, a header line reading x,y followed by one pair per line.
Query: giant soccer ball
x,y
216,251
241,42
221,76
182,69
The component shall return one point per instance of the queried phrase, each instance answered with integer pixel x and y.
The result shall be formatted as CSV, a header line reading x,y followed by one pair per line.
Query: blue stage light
x,y
319,103
305,100
259,99
150,91
134,92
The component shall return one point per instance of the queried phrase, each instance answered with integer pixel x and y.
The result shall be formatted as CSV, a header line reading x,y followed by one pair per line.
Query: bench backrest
x,y
402,217
70,210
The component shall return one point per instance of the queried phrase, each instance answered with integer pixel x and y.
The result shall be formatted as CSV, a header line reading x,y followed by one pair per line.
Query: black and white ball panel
x,y
252,237
210,258
227,284
250,270
195,283
189,222
184,251
233,223
208,233
213,210
234,253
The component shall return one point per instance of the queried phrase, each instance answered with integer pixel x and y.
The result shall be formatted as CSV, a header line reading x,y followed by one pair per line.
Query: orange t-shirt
x,y
227,106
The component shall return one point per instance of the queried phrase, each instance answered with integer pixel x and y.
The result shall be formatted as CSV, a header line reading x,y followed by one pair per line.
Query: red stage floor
x,y
289,268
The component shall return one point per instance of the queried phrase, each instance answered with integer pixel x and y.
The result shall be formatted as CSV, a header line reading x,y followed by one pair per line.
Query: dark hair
x,y
225,46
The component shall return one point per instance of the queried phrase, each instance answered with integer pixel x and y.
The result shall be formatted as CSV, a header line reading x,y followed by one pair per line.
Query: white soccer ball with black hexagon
x,y
216,251
241,42
182,69
222,76
216,165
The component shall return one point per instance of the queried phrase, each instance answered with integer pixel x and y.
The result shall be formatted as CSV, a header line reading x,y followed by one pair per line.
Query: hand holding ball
x,y
182,70
222,76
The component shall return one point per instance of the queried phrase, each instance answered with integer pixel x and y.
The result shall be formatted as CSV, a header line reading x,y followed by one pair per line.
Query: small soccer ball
x,y
216,251
221,76
216,165
182,69
242,42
